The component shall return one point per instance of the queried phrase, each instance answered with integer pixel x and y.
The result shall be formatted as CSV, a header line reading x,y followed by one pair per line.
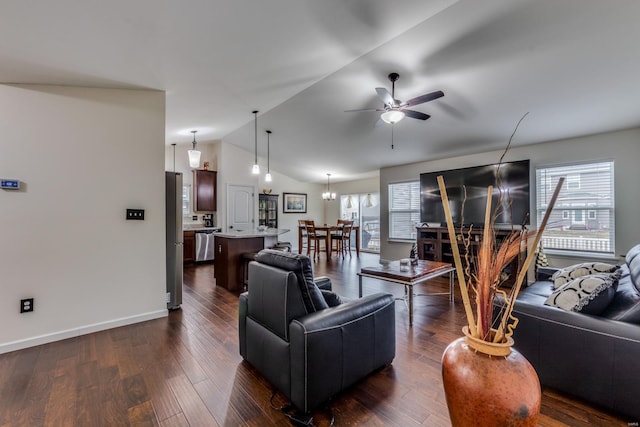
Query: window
x,y
186,200
573,182
404,209
583,217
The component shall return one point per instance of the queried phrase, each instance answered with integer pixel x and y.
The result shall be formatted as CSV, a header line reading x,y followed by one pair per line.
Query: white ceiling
x,y
572,64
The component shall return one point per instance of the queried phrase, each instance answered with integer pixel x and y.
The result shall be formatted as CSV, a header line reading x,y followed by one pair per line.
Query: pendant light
x,y
256,169
328,195
267,177
368,201
194,155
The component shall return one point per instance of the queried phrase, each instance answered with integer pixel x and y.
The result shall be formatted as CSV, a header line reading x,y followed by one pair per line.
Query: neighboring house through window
x,y
583,218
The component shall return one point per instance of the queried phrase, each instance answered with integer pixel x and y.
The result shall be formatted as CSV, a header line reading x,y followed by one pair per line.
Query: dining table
x,y
327,229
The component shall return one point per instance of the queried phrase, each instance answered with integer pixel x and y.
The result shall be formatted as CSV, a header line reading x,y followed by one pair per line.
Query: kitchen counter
x,y
230,249
244,234
198,227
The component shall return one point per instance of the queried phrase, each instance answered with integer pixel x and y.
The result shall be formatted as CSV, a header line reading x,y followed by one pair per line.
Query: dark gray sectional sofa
x,y
596,358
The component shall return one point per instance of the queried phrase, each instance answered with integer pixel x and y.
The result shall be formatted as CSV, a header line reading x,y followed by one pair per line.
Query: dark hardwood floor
x,y
185,370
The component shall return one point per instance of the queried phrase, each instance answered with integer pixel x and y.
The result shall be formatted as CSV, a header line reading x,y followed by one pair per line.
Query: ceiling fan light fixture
x,y
392,116
194,155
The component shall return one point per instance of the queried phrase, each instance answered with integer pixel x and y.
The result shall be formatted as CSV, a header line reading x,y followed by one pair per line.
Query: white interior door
x,y
240,207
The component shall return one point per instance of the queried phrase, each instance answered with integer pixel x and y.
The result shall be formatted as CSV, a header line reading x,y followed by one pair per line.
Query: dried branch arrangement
x,y
483,281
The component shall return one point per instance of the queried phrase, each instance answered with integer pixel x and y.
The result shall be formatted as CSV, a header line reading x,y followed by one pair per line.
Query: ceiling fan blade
x,y
416,114
424,98
385,96
365,109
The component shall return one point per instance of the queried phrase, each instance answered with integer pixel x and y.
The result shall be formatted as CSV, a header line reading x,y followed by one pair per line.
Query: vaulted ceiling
x,y
572,64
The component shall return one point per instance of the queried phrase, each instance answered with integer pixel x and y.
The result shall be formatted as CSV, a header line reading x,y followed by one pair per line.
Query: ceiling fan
x,y
394,110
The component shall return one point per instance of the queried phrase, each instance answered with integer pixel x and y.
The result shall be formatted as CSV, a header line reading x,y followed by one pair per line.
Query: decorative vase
x,y
489,384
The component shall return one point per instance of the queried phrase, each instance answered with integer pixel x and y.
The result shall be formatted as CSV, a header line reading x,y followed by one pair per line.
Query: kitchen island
x,y
231,245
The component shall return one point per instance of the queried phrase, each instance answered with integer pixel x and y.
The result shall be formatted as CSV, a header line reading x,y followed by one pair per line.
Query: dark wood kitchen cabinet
x,y
204,190
189,246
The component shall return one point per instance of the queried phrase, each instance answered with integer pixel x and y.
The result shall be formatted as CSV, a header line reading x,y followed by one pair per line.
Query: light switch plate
x,y
135,214
10,184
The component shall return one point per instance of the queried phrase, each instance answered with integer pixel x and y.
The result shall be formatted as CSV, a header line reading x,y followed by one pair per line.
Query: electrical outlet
x,y
195,217
168,297
135,214
26,305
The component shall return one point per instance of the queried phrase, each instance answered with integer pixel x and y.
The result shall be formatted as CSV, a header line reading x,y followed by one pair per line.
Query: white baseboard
x,y
83,330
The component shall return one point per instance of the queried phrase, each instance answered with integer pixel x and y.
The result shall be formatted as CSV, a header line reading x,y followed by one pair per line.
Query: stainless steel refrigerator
x,y
174,239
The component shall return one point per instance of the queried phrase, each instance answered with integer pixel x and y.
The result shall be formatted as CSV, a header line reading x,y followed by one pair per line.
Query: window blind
x,y
404,209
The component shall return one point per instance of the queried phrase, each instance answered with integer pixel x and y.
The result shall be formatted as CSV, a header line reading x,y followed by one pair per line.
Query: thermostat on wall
x,y
10,184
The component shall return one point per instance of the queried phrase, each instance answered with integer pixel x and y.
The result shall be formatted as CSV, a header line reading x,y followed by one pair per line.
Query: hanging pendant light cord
x,y
268,145
255,113
174,156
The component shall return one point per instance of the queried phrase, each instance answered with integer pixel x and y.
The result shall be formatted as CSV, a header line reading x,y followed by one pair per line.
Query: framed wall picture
x,y
294,203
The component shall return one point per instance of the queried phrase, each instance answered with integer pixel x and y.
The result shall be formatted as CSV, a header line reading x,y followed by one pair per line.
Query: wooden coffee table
x,y
420,273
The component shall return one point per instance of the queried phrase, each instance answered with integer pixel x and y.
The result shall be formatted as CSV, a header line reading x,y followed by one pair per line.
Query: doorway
x,y
365,210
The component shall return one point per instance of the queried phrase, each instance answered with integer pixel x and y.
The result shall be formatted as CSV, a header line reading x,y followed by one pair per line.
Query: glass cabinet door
x,y
268,210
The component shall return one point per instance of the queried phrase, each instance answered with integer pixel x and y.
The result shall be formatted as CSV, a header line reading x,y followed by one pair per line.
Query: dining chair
x,y
343,237
314,238
302,224
335,233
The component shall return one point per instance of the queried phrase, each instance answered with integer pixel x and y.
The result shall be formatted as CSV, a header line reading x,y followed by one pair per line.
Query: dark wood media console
x,y
434,244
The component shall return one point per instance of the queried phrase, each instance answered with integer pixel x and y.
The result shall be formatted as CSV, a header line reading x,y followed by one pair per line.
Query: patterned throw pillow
x,y
589,294
567,274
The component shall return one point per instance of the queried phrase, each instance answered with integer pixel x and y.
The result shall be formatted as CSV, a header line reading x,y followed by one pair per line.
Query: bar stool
x,y
246,258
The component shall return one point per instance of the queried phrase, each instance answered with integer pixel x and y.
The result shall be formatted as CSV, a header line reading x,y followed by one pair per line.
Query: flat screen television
x,y
514,209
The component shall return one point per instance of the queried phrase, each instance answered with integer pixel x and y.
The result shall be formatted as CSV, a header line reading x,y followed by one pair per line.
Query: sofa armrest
x,y
322,282
545,273
335,347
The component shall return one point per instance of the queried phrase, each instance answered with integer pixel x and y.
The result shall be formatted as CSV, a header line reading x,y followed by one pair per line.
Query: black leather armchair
x,y
307,342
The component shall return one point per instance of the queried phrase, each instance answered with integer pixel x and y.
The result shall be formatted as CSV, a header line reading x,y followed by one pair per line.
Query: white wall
x,y
622,146
83,156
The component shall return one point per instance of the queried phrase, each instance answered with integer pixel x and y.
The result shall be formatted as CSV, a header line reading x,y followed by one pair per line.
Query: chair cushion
x,y
300,265
625,307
